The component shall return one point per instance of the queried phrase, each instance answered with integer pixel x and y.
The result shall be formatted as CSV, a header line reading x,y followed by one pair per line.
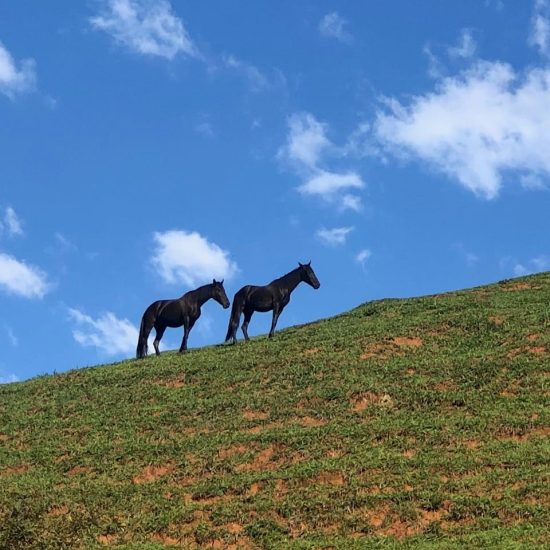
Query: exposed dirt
x,y
311,351
228,452
330,478
20,469
153,472
58,510
78,469
363,400
408,341
107,540
255,415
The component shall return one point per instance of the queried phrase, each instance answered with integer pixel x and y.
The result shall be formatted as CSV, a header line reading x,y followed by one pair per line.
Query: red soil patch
x,y
4,437
408,341
232,451
542,431
262,461
171,382
311,351
233,528
166,540
264,427
255,415
107,540
254,489
58,510
10,470
330,478
153,472
281,489
444,386
310,421
409,453
517,286
537,350
76,470
472,443
533,337
363,400
388,523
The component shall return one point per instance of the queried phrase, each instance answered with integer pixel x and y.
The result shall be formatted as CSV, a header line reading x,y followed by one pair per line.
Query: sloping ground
x,y
402,424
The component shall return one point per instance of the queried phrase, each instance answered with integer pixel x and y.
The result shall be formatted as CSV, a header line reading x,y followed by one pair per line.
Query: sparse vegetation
x,y
419,423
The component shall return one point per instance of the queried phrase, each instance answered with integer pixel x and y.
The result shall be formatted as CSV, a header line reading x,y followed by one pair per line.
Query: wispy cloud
x,y
107,333
11,222
15,78
22,279
362,257
306,150
475,127
7,377
466,46
335,236
534,265
539,35
147,27
256,80
12,338
332,25
189,258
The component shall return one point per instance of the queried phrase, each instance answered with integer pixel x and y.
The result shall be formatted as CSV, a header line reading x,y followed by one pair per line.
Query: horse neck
x,y
201,294
289,281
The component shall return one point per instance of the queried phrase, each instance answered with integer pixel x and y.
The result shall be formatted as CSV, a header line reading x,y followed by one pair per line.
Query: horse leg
x,y
276,312
159,331
247,316
187,326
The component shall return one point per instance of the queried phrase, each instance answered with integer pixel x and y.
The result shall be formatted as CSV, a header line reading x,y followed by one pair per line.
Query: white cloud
x,y
255,78
363,256
7,378
12,223
146,27
334,236
12,338
305,150
466,46
306,141
534,265
15,80
19,278
107,333
539,35
475,127
188,258
469,257
332,26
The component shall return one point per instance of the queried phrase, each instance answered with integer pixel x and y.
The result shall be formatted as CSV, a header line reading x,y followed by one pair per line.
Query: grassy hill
x,y
418,423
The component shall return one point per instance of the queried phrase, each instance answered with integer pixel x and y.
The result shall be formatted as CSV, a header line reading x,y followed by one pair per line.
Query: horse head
x,y
308,275
219,293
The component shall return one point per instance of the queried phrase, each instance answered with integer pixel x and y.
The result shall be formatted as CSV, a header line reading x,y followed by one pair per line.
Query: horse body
x,y
183,311
272,297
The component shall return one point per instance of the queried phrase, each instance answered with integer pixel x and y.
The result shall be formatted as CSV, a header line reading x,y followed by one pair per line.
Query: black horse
x,y
175,313
274,296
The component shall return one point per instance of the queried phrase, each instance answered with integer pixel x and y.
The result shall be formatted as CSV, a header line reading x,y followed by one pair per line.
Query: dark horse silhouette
x,y
175,313
274,296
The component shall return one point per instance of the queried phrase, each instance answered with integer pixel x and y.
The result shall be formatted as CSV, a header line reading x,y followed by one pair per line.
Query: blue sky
x,y
148,146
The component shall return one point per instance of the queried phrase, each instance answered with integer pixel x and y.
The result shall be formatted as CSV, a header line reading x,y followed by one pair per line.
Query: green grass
x,y
419,423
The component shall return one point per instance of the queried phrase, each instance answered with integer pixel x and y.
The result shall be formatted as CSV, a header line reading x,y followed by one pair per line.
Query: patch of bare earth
x,y
235,450
11,470
330,478
311,351
171,383
309,421
153,472
264,427
542,431
58,510
363,400
264,460
385,522
107,540
408,341
254,415
78,469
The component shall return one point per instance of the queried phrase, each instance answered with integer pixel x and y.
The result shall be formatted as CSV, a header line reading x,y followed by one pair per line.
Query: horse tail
x,y
147,322
236,310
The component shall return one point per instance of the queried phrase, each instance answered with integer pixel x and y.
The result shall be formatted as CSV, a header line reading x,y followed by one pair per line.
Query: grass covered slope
x,y
404,423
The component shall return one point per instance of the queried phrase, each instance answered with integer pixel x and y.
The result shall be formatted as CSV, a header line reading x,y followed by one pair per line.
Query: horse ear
x,y
221,282
309,263
301,265
213,281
